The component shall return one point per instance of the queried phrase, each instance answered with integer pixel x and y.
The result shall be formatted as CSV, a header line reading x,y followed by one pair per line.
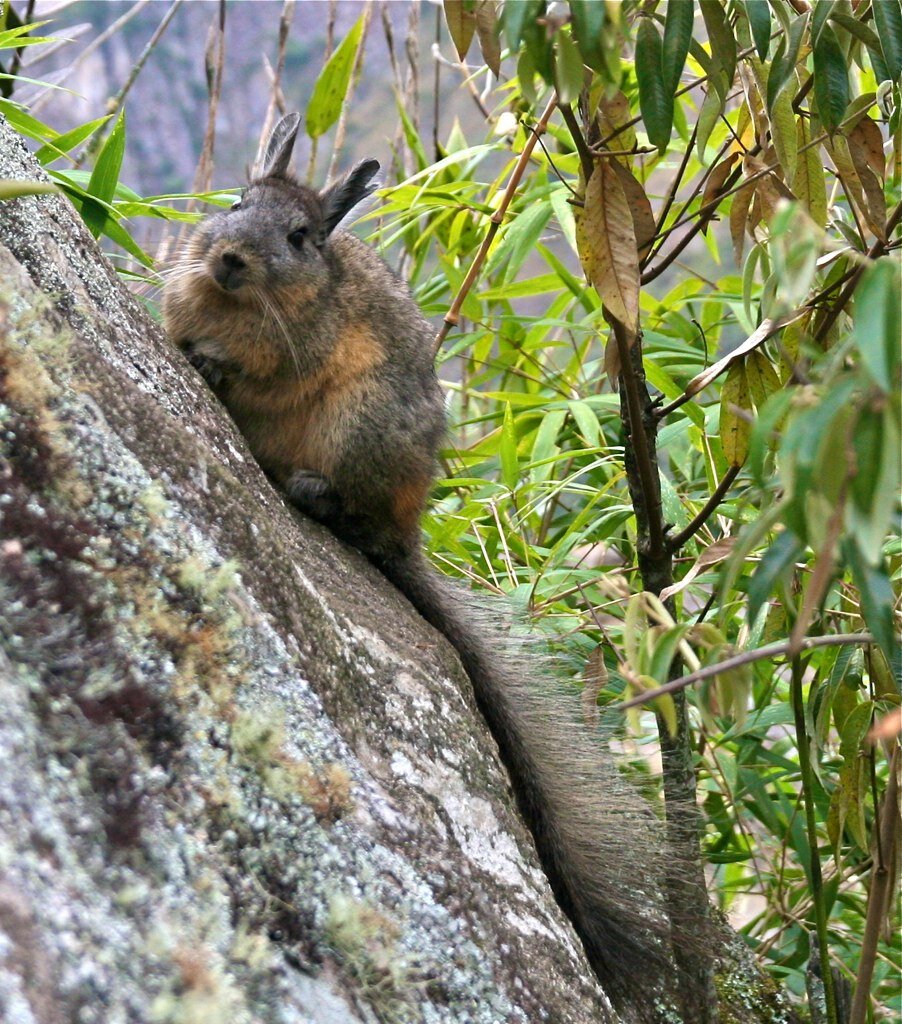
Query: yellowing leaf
x,y
607,244
461,18
735,415
809,181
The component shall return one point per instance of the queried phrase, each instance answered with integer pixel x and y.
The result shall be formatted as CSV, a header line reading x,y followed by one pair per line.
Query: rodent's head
x,y
275,239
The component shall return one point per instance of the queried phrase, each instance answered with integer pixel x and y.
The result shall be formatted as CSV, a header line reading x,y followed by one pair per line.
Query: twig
x,y
879,894
452,317
675,543
875,252
342,125
815,878
648,473
327,53
276,99
116,103
48,94
586,159
746,658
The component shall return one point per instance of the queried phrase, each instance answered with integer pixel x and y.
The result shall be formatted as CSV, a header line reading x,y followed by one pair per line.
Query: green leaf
x,y
14,189
677,36
105,177
888,20
587,422
831,79
777,561
856,28
588,19
877,598
723,46
784,63
569,73
62,144
878,322
517,17
758,13
735,406
510,464
822,10
655,101
331,87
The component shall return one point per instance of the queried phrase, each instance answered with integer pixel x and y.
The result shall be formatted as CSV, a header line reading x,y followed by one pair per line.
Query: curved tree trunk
x,y
240,779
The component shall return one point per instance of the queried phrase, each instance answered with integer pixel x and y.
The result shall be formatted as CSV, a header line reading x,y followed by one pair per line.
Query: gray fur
x,y
280,146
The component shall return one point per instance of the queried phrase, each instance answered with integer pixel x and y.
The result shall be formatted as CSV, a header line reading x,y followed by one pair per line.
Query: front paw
x,y
212,370
313,494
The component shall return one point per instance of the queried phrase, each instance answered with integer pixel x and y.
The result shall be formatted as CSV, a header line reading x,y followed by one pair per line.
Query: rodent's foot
x,y
313,494
212,371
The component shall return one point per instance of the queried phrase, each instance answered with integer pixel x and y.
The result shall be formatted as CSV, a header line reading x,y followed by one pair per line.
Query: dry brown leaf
x,y
487,32
769,188
739,218
766,330
867,140
640,208
717,177
606,241
709,556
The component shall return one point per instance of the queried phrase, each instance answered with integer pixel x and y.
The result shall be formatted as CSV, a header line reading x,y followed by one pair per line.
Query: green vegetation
x,y
687,473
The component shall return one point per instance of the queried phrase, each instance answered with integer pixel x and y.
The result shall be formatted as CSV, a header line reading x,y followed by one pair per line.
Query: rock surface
x,y
240,779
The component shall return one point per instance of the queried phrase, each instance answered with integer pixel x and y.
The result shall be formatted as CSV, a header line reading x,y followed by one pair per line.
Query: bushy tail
x,y
598,842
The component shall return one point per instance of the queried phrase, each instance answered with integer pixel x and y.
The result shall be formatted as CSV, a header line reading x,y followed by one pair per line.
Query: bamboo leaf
x,y
758,14
569,72
331,86
655,101
516,18
510,464
105,177
588,20
831,79
784,63
809,183
735,413
640,208
878,322
677,37
888,20
15,189
607,244
723,46
856,28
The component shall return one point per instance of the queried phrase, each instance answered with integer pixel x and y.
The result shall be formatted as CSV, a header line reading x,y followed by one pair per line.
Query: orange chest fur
x,y
294,422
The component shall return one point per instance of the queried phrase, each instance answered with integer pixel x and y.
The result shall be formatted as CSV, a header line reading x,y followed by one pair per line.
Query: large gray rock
x,y
240,779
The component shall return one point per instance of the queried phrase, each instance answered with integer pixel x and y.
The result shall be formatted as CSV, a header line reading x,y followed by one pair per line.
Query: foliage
x,y
726,175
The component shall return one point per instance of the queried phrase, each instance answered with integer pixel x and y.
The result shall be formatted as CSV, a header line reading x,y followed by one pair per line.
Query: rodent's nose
x,y
229,270
233,261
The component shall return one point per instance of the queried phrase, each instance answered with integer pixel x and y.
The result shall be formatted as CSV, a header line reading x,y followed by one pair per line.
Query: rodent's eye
x,y
297,237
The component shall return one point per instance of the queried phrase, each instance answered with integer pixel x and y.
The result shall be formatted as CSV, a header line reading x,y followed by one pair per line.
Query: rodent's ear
x,y
280,145
339,199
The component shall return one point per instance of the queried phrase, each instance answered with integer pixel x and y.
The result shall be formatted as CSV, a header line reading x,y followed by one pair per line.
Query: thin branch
x,y
648,473
115,104
880,891
452,317
675,543
803,746
342,125
875,252
746,658
327,53
585,154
